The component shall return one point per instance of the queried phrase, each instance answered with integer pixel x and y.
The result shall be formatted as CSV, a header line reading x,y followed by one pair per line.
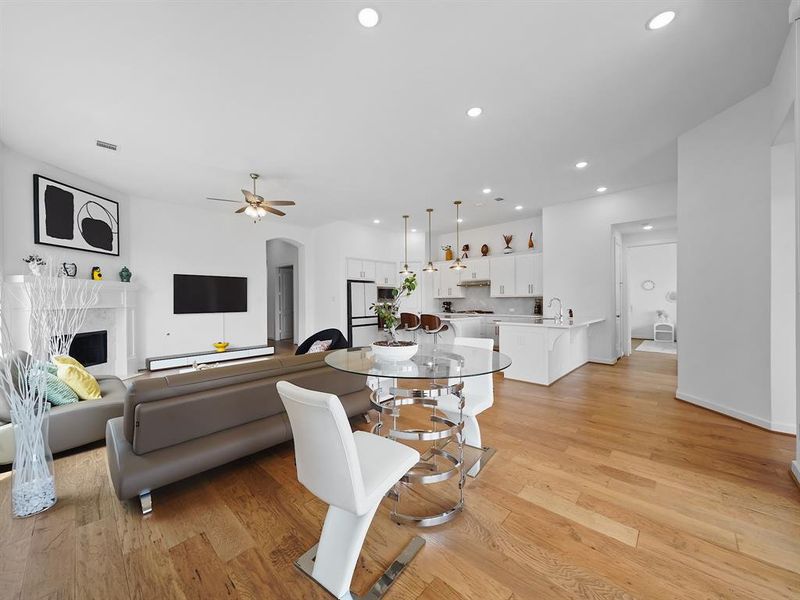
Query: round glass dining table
x,y
433,378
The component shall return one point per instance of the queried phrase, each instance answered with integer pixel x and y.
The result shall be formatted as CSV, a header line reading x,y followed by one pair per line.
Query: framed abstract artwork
x,y
67,217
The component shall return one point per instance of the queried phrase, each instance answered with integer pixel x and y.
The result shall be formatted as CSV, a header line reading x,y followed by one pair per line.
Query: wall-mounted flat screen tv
x,y
208,294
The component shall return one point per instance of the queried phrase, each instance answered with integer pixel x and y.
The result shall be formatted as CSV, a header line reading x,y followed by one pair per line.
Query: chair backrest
x,y
430,322
325,453
480,386
338,340
409,321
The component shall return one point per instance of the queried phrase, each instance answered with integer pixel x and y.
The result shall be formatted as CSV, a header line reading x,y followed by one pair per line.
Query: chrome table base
x,y
306,564
442,434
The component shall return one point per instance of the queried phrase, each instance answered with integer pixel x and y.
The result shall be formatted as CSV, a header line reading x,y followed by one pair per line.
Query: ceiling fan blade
x,y
224,200
241,210
251,197
274,211
278,202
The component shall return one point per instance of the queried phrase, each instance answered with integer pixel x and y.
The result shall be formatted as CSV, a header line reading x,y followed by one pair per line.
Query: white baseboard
x,y
737,414
603,361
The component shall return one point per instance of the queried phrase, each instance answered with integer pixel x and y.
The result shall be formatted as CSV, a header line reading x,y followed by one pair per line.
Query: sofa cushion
x,y
80,380
57,392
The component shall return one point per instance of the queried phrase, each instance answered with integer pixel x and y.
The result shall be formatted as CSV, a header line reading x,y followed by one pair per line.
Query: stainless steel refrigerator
x,y
362,323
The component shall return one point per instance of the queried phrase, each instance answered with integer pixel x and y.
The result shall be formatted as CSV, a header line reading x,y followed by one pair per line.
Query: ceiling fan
x,y
255,205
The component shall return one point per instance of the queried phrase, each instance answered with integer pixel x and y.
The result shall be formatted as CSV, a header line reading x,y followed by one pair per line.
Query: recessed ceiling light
x,y
368,17
413,231
602,189
475,111
460,220
518,207
376,221
581,165
647,227
661,20
487,190
479,204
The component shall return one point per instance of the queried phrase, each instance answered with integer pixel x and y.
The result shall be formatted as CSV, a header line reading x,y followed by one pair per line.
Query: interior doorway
x,y
645,286
284,305
284,308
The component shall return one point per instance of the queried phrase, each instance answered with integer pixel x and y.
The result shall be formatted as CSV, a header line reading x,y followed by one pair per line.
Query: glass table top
x,y
432,361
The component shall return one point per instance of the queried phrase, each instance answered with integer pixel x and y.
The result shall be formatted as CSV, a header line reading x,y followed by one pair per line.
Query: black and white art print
x,y
71,218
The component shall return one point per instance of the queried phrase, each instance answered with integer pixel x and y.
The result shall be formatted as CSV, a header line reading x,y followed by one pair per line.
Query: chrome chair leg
x,y
147,502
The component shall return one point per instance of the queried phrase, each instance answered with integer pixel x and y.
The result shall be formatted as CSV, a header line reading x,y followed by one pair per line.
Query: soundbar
x,y
176,361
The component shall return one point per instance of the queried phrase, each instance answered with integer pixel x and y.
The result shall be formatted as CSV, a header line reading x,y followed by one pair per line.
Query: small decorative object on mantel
x,y
507,238
35,263
484,250
530,241
464,251
125,275
69,269
221,346
648,285
394,349
97,274
448,252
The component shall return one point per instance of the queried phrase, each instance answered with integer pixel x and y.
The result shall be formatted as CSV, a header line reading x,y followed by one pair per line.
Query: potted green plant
x,y
388,313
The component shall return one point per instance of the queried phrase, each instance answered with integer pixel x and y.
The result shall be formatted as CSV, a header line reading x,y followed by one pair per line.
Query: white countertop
x,y
494,316
567,323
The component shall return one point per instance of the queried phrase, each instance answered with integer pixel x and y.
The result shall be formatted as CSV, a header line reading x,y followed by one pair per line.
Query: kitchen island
x,y
543,350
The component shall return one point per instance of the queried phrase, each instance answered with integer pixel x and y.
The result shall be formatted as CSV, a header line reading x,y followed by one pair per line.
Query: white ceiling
x,y
370,123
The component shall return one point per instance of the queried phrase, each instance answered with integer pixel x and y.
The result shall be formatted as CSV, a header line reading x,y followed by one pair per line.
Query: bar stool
x,y
478,394
410,322
433,325
352,472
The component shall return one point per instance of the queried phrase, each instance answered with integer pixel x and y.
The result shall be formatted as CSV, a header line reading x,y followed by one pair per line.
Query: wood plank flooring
x,y
603,486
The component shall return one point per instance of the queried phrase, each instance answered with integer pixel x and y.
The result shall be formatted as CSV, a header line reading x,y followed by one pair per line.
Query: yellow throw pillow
x,y
64,359
80,380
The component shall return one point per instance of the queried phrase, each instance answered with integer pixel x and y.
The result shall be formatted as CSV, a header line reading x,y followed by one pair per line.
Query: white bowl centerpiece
x,y
388,312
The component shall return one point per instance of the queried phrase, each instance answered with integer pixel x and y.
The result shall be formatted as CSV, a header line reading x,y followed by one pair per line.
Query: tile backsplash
x,y
477,298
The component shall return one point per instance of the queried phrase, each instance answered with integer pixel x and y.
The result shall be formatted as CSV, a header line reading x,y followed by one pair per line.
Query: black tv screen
x,y
208,294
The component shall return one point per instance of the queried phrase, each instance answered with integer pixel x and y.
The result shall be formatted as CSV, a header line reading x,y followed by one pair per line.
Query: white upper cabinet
x,y
386,274
477,269
502,269
528,275
446,282
360,269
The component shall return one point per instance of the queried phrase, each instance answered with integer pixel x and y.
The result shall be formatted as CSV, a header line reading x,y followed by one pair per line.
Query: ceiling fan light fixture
x,y
252,211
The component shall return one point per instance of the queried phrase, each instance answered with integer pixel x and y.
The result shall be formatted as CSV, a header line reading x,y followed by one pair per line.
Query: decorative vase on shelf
x,y
507,238
448,253
530,241
484,250
33,488
125,275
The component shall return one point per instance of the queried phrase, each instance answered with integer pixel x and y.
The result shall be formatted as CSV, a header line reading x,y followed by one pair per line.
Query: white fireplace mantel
x,y
118,299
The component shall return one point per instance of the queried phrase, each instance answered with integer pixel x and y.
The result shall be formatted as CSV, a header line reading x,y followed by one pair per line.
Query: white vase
x,y
36,268
394,353
33,487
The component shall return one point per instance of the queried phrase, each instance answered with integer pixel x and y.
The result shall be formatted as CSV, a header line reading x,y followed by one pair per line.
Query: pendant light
x,y
429,268
457,264
406,271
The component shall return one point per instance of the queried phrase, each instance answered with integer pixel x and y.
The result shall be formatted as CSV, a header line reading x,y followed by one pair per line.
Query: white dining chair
x,y
352,472
478,393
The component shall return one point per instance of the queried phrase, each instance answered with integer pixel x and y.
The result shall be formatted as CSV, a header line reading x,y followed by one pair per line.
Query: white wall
x,y
158,239
658,263
337,241
783,354
492,235
281,253
578,262
724,258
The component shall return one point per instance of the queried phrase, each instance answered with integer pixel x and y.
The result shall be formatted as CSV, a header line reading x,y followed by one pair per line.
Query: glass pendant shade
x,y
251,211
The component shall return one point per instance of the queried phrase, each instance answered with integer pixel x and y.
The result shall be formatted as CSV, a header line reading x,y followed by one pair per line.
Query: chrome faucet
x,y
560,314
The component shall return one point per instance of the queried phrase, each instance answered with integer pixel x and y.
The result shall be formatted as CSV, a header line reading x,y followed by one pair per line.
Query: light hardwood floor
x,y
603,486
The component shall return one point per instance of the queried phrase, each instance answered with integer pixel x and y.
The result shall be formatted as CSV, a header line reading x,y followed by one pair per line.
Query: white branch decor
x,y
58,308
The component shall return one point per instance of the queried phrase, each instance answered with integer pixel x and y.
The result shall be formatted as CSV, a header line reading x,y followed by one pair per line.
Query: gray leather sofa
x,y
71,425
176,426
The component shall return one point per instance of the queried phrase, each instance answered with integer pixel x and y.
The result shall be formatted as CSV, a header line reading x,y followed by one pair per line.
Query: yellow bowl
x,y
221,346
